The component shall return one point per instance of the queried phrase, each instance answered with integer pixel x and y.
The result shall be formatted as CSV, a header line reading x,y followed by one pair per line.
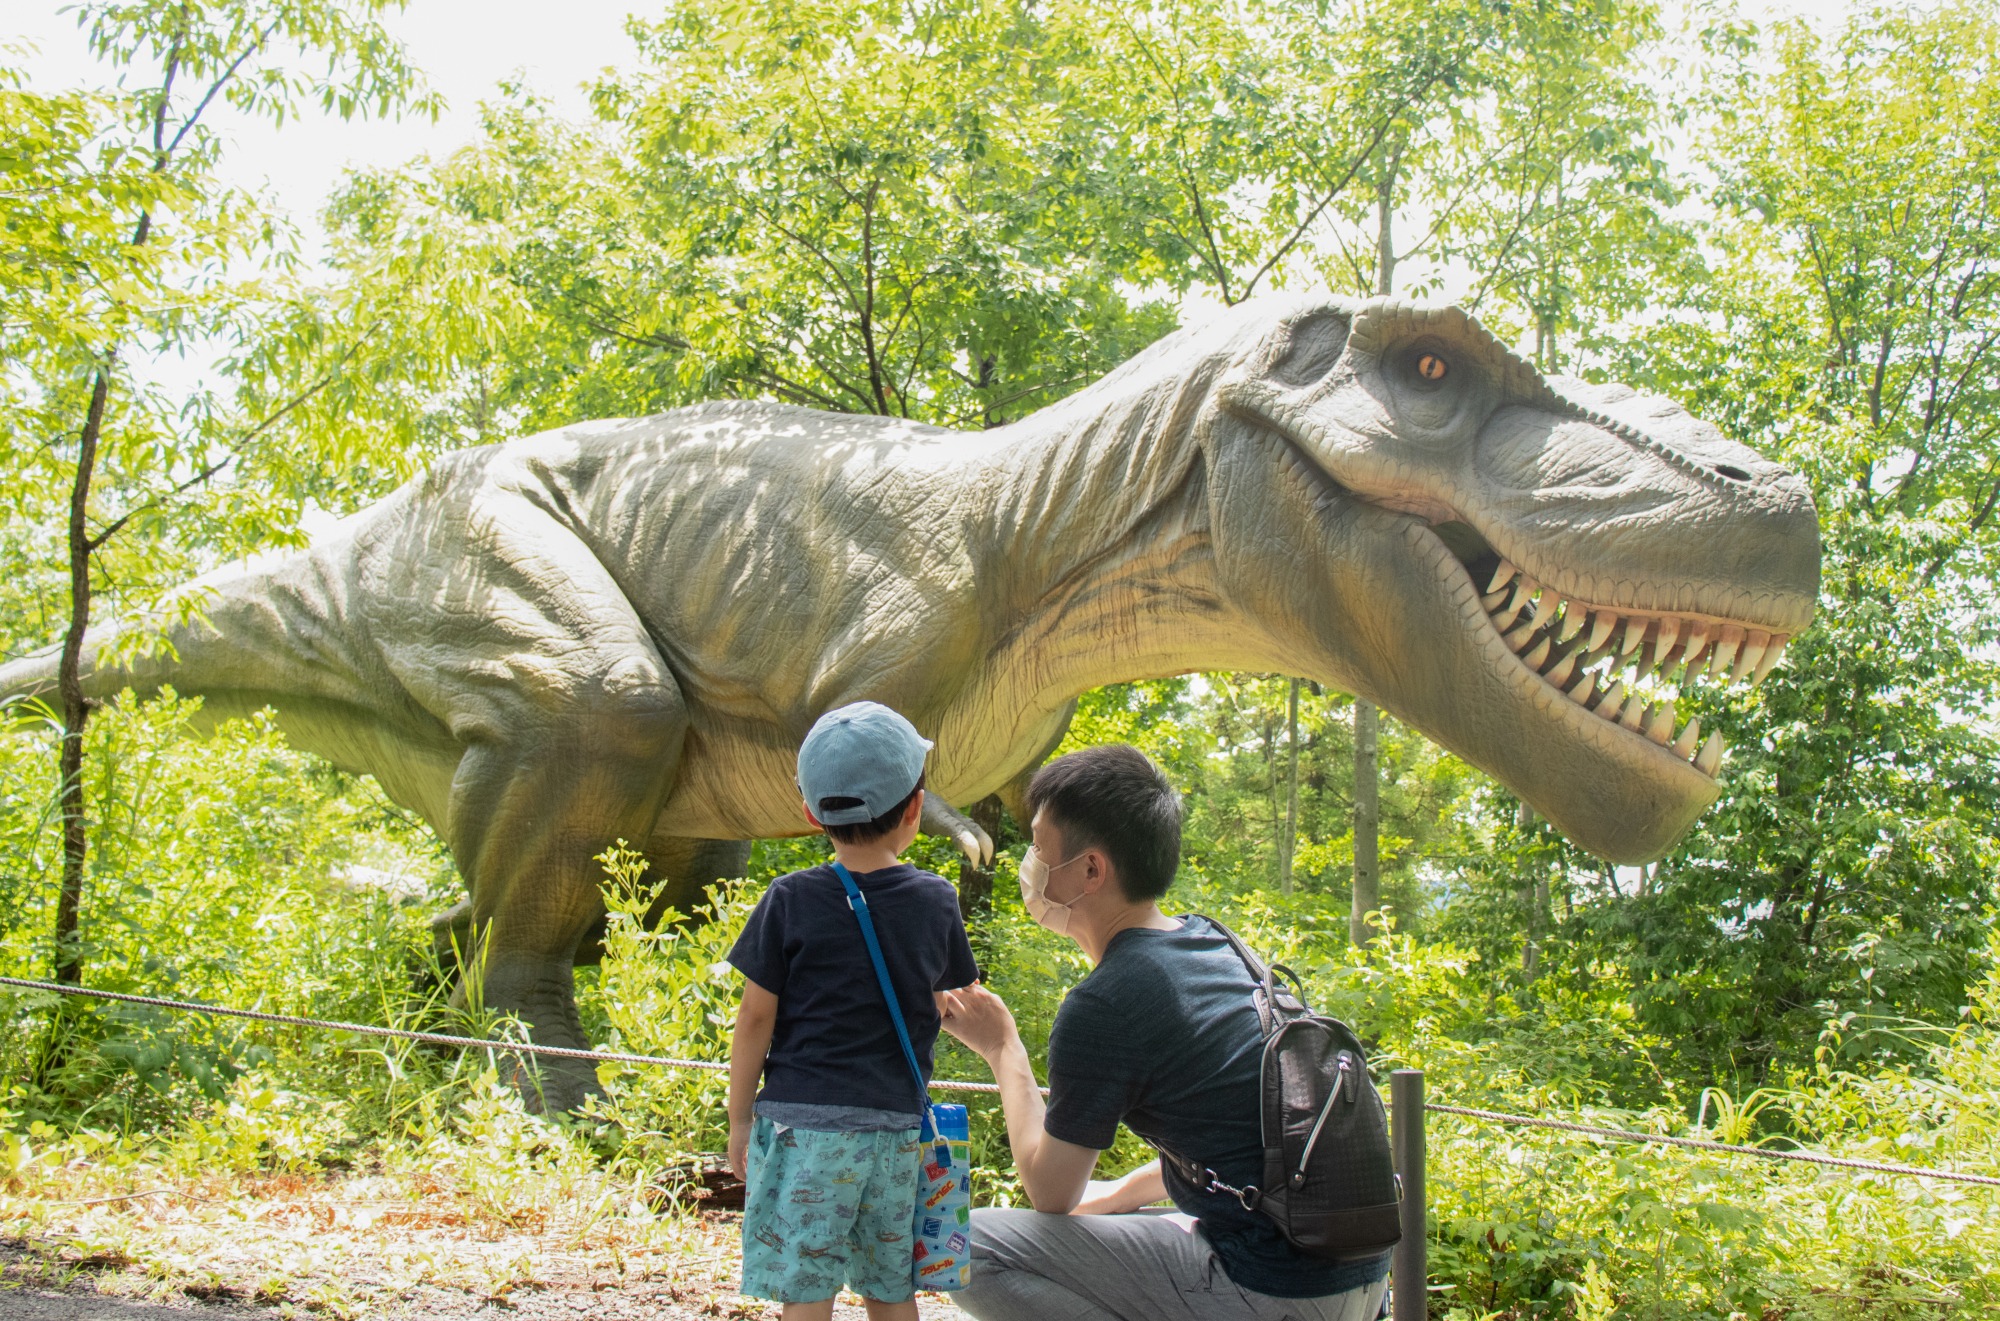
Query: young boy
x,y
829,1151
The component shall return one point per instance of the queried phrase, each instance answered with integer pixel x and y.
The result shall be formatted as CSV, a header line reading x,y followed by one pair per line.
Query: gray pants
x,y
1027,1266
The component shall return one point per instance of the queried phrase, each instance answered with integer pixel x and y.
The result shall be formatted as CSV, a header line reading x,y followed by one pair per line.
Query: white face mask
x,y
1034,892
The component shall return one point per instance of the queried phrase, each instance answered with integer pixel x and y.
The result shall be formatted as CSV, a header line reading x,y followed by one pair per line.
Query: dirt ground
x,y
51,1282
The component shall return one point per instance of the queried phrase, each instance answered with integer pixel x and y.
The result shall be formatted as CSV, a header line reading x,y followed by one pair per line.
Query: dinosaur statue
x,y
622,629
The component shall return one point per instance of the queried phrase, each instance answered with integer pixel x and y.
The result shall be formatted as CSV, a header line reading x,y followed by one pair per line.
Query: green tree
x,y
119,240
1850,325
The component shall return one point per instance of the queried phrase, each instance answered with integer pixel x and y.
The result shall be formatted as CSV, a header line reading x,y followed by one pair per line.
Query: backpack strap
x,y
1265,977
859,903
1267,1005
1207,1180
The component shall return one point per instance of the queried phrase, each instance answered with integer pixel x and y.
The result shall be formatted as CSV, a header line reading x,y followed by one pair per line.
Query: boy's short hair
x,y
867,832
1113,798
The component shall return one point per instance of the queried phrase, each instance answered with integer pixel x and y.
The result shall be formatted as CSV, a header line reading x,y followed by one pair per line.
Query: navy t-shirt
x,y
1163,1035
833,1043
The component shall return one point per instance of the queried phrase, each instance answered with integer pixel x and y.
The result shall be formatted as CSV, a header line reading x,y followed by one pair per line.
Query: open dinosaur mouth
x,y
1624,666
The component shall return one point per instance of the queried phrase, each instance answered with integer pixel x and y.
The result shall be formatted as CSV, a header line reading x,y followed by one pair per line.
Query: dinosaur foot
x,y
541,995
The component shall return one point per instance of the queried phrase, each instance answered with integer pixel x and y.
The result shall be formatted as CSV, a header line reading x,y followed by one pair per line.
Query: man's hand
x,y
1109,1197
980,1019
739,1150
1053,1172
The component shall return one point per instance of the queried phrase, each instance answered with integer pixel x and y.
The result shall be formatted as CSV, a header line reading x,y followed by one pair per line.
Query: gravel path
x,y
29,1291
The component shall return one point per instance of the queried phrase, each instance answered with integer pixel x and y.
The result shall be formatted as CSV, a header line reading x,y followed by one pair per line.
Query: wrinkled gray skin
x,y
622,629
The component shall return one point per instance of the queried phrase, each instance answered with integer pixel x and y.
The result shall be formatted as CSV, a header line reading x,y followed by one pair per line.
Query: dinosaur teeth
x,y
1504,574
1564,641
1725,651
1663,641
1752,653
1545,608
1769,659
1697,642
1660,722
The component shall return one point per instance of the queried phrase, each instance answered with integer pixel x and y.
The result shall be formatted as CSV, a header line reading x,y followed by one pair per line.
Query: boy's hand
x,y
979,1018
739,1150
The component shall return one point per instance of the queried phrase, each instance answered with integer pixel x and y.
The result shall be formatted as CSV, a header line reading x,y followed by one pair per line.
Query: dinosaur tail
x,y
253,639
37,676
32,676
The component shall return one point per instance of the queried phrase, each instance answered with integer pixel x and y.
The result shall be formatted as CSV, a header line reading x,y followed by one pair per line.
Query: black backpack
x,y
1329,1179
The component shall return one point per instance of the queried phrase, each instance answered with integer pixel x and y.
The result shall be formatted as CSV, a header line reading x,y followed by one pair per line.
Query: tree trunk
x,y
1538,927
1289,844
69,684
1367,815
1367,802
975,884
1385,233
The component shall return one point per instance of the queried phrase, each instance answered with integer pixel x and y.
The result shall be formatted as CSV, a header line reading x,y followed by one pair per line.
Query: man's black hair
x,y
1113,798
866,832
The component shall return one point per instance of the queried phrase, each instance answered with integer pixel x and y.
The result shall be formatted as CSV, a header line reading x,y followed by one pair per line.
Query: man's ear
x,y
914,809
810,818
1096,872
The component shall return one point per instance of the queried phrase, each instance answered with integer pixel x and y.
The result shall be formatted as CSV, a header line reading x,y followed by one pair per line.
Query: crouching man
x,y
1163,1036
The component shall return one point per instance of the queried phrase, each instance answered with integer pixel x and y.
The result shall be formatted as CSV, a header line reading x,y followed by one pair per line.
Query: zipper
x,y
1346,1080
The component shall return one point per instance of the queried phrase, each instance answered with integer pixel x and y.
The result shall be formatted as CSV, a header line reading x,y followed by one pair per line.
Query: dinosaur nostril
x,y
1732,472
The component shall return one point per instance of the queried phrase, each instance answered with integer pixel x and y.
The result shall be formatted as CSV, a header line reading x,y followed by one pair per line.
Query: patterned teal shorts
x,y
827,1207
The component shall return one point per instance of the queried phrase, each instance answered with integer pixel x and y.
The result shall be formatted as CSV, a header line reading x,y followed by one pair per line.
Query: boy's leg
x,y
798,1215
819,1311
881,1311
879,1268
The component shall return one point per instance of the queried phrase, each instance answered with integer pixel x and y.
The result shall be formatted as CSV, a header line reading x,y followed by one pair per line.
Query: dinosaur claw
x,y
977,846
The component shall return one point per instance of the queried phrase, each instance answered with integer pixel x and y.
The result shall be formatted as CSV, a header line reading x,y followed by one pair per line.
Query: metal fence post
x,y
1410,1273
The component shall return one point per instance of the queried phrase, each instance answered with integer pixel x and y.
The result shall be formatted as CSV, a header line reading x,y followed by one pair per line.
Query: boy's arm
x,y
756,1017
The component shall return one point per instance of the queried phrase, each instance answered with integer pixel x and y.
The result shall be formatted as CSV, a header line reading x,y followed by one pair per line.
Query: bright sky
x,y
464,48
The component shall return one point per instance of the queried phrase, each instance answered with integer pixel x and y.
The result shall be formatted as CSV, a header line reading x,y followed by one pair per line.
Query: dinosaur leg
x,y
1014,793
530,814
690,868
571,728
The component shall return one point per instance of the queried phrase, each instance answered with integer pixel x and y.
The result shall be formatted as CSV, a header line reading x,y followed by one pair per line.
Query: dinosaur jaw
x,y
1623,666
1444,667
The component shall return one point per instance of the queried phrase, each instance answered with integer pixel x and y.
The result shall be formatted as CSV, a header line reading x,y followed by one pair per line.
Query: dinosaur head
x,y
1522,567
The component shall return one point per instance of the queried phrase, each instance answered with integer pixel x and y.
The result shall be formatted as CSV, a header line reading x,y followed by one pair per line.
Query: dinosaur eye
x,y
1431,367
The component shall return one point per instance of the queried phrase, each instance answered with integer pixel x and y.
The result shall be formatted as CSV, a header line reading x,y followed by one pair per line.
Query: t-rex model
x,y
622,629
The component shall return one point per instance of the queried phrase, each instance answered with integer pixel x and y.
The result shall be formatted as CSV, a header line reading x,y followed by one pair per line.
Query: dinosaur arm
x,y
941,818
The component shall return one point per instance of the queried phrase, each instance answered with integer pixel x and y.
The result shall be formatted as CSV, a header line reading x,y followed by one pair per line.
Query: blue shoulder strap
x,y
859,904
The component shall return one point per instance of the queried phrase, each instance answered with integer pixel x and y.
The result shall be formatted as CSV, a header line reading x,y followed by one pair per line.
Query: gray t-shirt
x,y
1163,1036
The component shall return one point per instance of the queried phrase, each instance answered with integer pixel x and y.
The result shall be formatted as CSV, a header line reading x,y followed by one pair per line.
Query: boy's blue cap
x,y
862,750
